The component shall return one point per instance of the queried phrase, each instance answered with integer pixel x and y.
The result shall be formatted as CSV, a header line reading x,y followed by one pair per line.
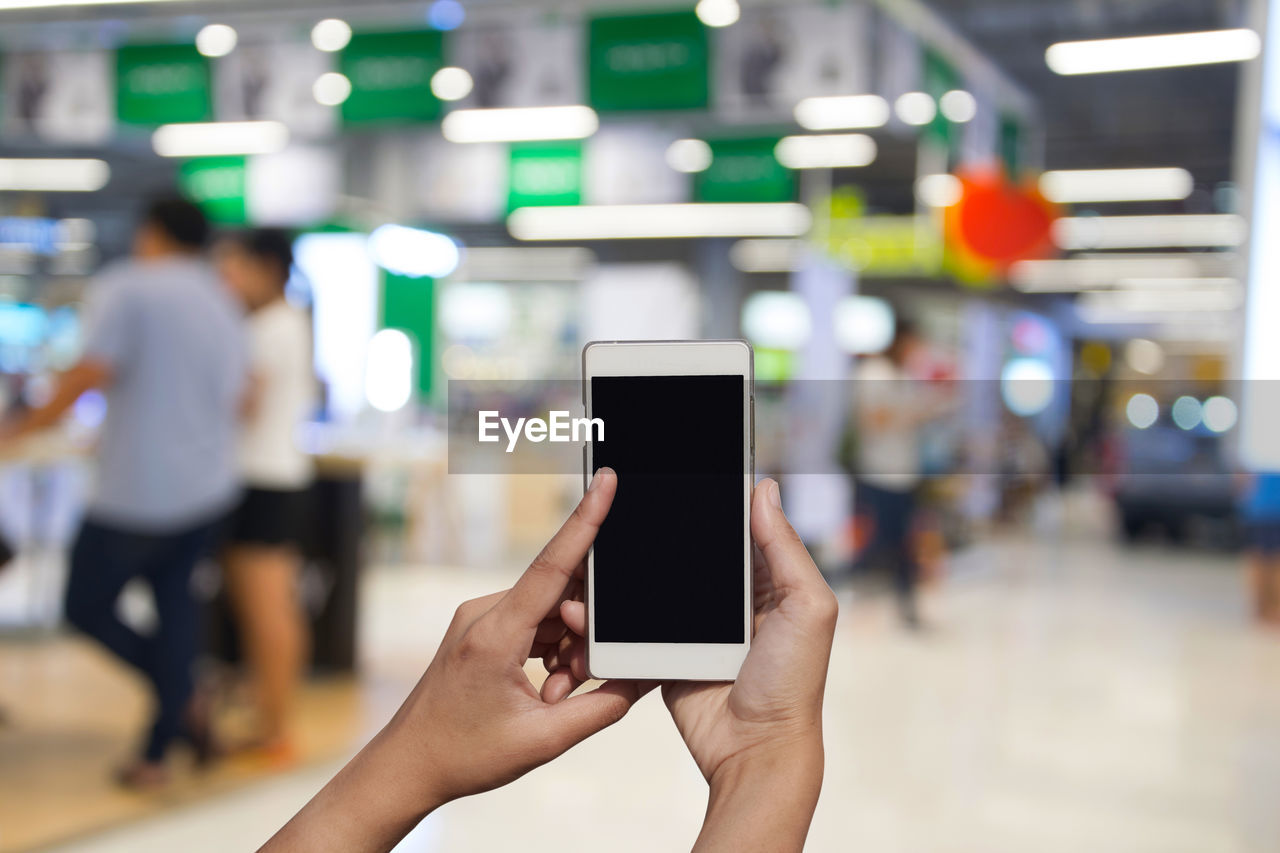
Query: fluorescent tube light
x,y
212,139
1149,232
518,124
650,221
842,111
7,5
1101,56
53,175
1072,274
1148,301
829,151
525,263
1098,185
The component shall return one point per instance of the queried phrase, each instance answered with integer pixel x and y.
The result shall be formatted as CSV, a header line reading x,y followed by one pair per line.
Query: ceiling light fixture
x,y
657,221
330,35
689,155
958,106
828,151
53,175
1101,56
840,112
216,40
915,108
218,138
518,124
1209,230
1104,185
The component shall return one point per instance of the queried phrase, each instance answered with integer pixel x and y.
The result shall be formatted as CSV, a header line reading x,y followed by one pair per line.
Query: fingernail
x,y
775,496
594,482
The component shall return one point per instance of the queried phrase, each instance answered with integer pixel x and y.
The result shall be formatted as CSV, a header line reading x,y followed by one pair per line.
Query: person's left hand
x,y
475,718
475,721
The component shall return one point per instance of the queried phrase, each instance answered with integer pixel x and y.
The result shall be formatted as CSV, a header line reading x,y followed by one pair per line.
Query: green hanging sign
x,y
544,173
1011,145
940,78
217,184
408,304
390,76
745,170
648,62
161,84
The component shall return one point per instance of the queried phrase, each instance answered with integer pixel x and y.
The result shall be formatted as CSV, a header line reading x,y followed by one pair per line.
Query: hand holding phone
x,y
758,740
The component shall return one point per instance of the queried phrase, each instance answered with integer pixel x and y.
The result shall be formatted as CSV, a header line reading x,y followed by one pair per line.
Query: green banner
x,y
390,76
217,184
745,170
940,78
648,62
1011,145
162,83
408,304
544,173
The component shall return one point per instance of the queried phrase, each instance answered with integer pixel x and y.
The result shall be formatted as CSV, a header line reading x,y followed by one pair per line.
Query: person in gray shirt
x,y
165,343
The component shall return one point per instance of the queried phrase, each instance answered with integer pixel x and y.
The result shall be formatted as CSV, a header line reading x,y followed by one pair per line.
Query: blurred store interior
x,y
1068,199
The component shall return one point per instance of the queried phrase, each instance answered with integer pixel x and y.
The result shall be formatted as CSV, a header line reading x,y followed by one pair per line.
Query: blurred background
x,y
1061,206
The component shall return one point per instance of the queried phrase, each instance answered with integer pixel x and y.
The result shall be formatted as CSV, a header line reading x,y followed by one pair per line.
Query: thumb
x,y
790,566
579,717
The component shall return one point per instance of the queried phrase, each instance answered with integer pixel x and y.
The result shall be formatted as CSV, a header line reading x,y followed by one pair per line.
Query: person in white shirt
x,y
891,410
262,557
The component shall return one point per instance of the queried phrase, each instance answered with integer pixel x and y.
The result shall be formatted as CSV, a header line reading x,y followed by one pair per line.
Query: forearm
x,y
69,387
763,803
369,806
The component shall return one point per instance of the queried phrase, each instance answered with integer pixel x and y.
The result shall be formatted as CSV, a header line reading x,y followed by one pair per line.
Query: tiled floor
x,y
1072,696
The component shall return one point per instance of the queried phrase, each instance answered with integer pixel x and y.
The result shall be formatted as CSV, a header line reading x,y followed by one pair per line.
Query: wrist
x,y
799,760
764,798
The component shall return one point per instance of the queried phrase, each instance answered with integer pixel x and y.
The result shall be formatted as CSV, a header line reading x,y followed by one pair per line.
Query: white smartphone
x,y
669,577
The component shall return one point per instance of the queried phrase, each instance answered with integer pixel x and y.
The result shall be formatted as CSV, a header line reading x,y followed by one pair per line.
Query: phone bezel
x,y
673,661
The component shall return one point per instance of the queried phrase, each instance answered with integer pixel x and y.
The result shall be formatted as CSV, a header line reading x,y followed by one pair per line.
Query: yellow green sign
x,y
880,245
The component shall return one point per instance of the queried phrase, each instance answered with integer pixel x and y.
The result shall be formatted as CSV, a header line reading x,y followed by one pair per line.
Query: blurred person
x,y
1261,514
164,340
890,412
475,722
262,555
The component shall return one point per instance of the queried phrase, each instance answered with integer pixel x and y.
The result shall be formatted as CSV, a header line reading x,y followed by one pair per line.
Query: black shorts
x,y
269,517
1263,536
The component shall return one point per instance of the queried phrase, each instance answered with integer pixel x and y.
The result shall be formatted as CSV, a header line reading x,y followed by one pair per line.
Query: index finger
x,y
539,589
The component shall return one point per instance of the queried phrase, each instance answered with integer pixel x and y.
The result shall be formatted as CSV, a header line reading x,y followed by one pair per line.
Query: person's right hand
x,y
758,740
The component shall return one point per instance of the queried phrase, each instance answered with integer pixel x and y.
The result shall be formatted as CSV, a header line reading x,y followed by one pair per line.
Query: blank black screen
x,y
669,556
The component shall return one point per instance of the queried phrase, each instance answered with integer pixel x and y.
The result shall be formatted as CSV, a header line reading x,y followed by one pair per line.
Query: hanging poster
x,y
529,61
274,81
59,96
774,56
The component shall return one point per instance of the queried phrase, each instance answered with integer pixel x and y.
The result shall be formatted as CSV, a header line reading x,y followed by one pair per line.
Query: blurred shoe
x,y
278,754
143,776
197,729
